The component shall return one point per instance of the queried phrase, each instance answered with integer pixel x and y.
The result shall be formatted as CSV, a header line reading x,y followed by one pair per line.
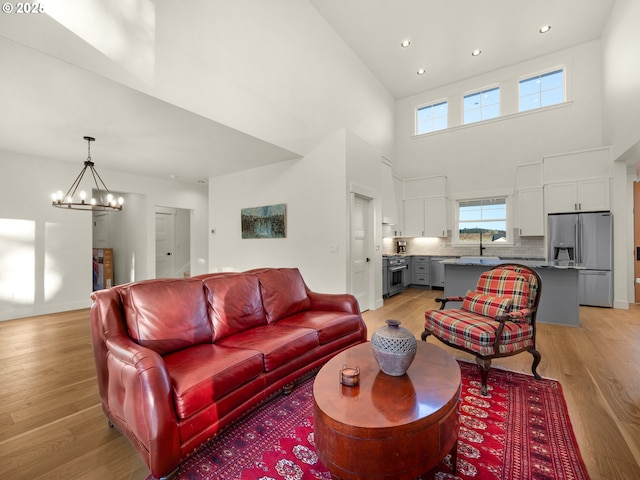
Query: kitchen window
x,y
483,218
431,118
542,90
482,105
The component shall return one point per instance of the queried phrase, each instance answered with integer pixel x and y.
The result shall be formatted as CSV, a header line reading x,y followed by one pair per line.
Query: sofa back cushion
x,y
234,304
283,292
166,315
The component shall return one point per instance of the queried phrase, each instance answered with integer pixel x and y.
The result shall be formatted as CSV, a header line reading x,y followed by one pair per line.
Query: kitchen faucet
x,y
481,247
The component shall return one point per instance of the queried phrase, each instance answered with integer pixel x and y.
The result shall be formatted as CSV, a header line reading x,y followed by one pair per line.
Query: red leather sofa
x,y
178,360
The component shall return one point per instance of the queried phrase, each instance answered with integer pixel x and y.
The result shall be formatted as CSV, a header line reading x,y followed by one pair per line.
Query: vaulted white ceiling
x,y
444,33
139,133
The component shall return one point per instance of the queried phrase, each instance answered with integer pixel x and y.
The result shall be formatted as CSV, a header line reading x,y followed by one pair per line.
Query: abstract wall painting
x,y
264,222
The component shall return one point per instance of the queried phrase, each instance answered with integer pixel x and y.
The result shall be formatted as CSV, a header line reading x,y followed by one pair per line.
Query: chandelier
x,y
103,199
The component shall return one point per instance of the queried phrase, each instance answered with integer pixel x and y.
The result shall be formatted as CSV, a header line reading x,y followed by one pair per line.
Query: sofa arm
x,y
341,302
140,391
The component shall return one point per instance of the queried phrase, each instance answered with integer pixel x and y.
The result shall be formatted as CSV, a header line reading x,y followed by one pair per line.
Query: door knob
x,y
368,259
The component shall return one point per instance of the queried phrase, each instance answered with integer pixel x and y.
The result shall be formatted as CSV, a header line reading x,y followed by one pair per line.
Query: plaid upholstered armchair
x,y
497,320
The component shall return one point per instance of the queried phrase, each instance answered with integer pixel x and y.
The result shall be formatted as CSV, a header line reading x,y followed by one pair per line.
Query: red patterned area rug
x,y
519,431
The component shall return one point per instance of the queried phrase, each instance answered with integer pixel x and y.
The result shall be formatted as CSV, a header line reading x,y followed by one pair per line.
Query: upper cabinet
x,y
530,219
425,207
389,208
435,213
425,217
399,226
578,181
529,200
586,195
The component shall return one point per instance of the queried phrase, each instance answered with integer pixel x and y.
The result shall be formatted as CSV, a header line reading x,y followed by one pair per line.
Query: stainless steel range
x,y
397,270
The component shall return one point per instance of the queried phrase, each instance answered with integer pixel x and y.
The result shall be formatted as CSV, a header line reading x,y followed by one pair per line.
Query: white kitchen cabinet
x,y
530,211
585,196
389,209
425,217
435,224
399,226
414,217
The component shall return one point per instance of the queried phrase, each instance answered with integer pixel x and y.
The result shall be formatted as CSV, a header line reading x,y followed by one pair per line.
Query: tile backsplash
x,y
530,247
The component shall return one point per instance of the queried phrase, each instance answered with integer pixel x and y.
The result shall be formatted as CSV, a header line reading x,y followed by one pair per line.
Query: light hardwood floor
x,y
52,425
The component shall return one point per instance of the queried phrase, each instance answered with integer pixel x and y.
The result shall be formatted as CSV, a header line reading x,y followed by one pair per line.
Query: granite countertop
x,y
541,263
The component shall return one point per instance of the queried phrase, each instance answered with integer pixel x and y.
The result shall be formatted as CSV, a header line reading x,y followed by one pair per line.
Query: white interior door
x,y
165,243
360,255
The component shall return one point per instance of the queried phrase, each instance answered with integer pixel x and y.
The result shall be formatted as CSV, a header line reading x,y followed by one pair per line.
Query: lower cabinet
x,y
420,268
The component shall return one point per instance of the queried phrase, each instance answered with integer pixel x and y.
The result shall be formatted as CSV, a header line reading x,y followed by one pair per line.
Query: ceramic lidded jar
x,y
394,348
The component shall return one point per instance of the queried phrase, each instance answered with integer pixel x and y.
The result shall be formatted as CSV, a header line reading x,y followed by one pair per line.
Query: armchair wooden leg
x,y
425,334
536,361
484,364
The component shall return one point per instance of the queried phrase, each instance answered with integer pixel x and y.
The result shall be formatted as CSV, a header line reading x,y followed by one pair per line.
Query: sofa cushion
x,y
330,325
283,292
166,314
477,332
486,305
234,304
279,344
204,373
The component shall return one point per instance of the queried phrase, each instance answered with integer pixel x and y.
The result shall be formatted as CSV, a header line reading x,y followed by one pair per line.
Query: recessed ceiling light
x,y
405,43
422,71
545,28
475,53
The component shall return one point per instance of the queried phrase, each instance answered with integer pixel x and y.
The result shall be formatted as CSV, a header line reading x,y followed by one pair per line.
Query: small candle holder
x,y
349,376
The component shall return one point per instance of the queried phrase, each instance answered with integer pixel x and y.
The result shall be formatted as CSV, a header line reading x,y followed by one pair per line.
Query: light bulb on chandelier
x,y
105,199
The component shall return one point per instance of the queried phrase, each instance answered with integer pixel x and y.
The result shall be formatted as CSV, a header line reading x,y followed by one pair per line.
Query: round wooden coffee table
x,y
387,427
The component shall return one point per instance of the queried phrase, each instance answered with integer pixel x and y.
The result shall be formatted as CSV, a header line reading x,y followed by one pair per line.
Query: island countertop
x,y
558,302
493,261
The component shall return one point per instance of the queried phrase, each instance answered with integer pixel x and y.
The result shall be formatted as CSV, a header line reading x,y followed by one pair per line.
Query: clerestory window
x,y
482,105
431,118
542,90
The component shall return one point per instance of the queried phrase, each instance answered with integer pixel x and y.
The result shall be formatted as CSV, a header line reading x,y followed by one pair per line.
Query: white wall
x,y
602,76
45,252
272,69
126,235
621,71
314,190
275,70
317,190
483,157
621,86
364,178
40,246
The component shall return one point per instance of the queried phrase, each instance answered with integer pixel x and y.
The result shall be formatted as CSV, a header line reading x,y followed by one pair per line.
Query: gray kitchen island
x,y
559,299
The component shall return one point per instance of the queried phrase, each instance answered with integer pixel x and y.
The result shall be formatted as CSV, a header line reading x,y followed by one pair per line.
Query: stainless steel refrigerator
x,y
587,240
